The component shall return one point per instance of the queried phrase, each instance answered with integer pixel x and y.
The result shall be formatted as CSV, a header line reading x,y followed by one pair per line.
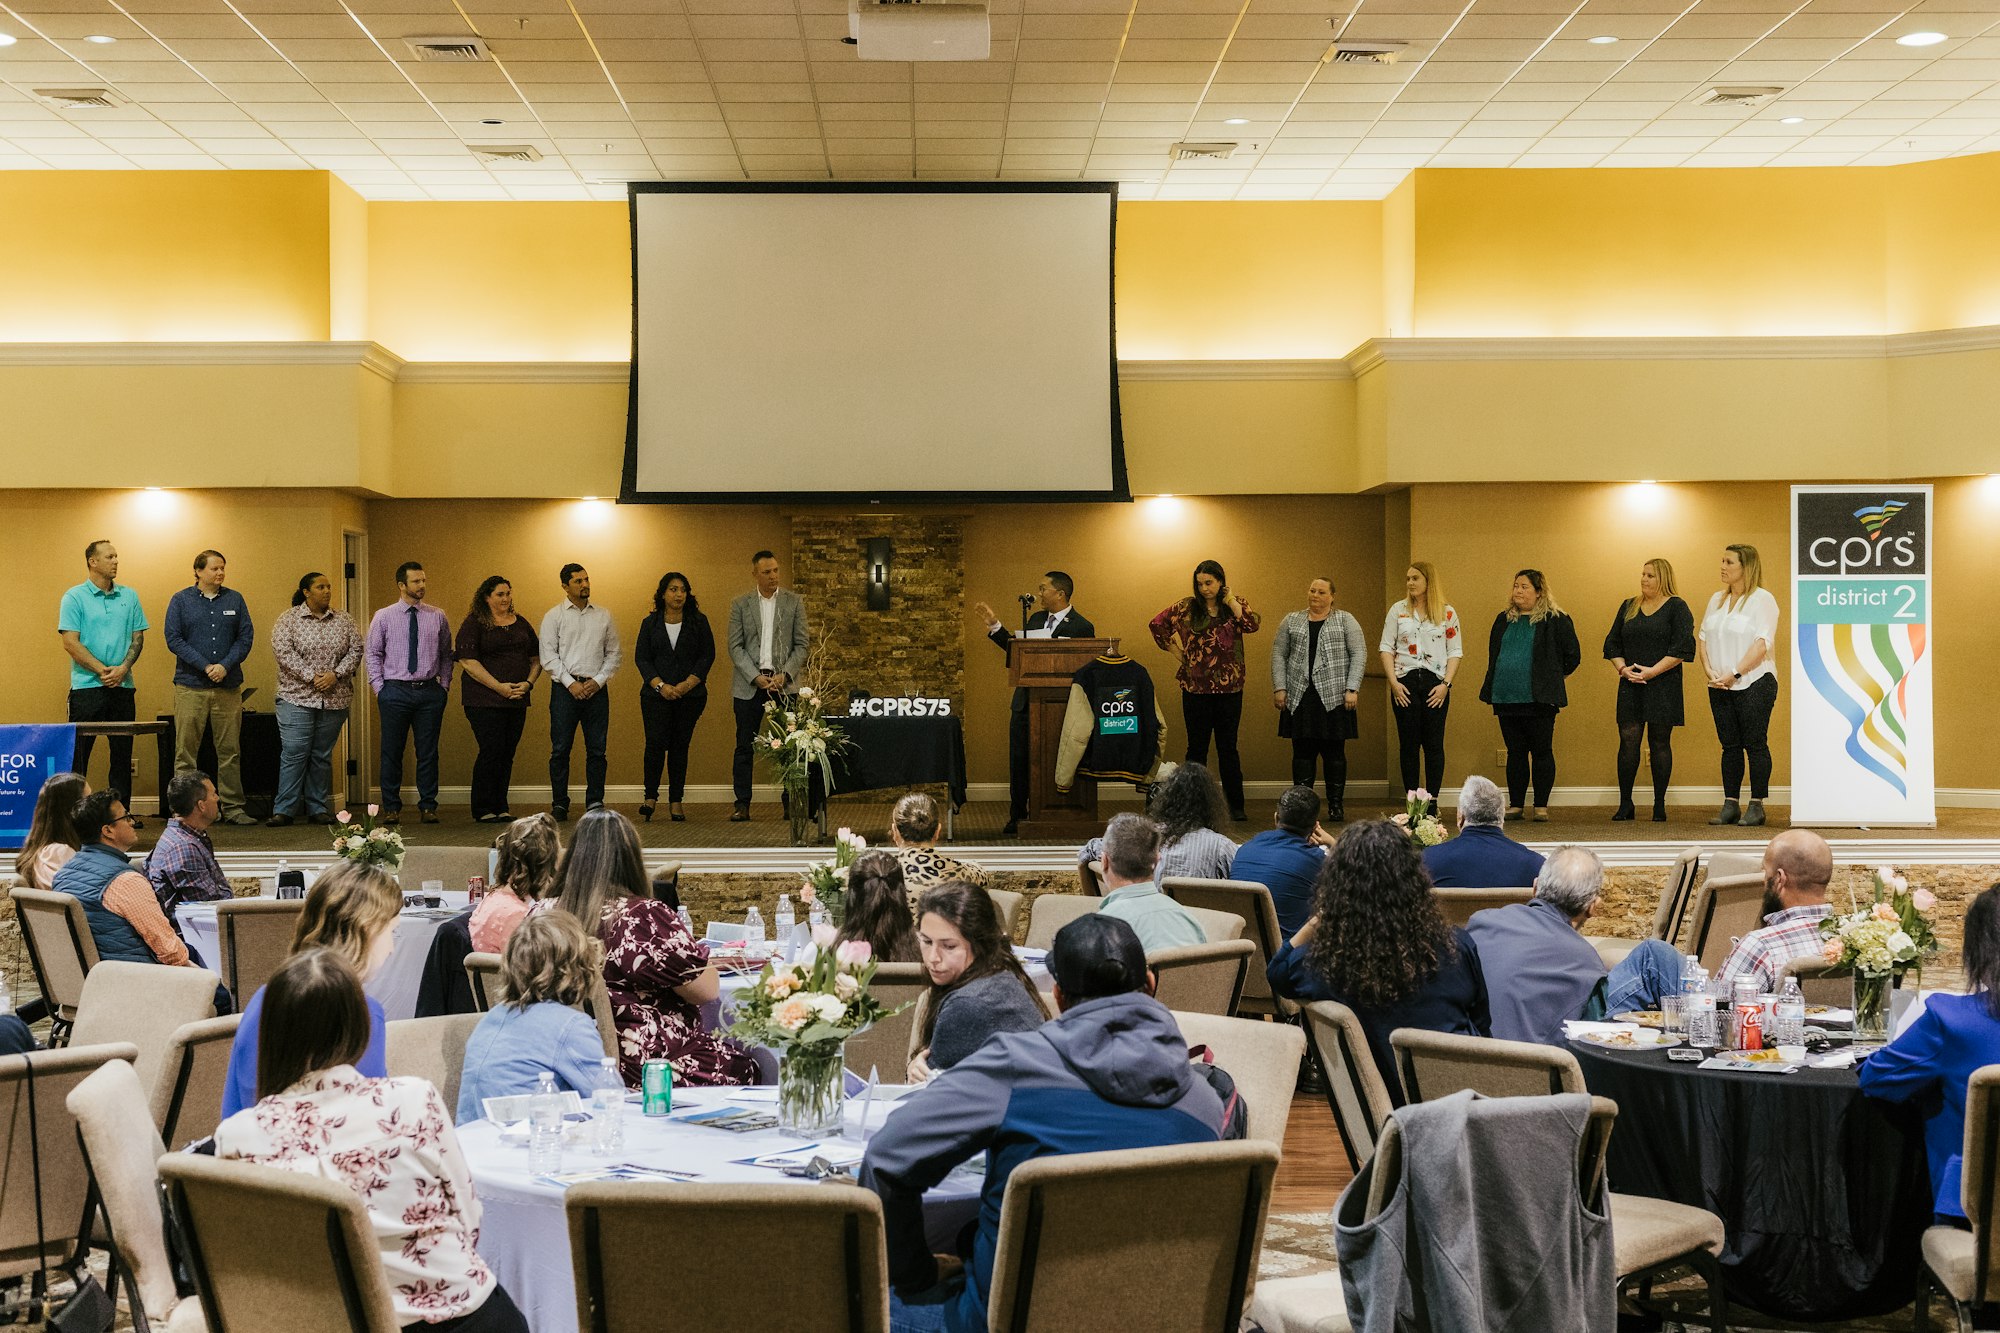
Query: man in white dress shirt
x,y
580,653
767,649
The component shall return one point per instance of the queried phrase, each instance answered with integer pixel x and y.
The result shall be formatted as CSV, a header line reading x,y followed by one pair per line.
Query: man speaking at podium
x,y
1057,619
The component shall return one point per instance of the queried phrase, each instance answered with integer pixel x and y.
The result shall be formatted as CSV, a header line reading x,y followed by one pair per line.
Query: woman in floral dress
x,y
1205,632
657,972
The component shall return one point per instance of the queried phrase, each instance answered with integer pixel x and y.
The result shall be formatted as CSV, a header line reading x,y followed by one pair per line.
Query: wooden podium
x,y
1043,668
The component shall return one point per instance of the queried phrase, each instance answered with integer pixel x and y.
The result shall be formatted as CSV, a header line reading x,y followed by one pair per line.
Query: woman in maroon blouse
x,y
1206,632
501,656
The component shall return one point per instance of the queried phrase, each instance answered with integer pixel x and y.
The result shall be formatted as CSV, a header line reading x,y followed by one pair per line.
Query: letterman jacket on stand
x,y
1113,726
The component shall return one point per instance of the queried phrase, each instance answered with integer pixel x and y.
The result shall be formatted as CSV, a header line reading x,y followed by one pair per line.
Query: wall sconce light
x,y
879,553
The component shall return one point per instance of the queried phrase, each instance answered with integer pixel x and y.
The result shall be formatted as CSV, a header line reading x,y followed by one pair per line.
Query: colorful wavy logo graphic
x,y
1874,518
1863,671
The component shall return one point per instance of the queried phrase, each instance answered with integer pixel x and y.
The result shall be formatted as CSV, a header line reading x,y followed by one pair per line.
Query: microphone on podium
x,y
1027,600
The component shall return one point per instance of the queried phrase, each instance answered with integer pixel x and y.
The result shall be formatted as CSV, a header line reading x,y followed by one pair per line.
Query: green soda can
x,y
656,1084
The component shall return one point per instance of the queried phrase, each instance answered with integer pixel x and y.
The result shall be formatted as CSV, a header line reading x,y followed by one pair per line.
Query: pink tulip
x,y
374,810
1884,912
853,953
824,935
1924,899
344,817
806,894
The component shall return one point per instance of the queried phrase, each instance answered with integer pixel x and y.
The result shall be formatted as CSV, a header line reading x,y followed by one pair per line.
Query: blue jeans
x,y
410,707
565,712
306,738
1642,977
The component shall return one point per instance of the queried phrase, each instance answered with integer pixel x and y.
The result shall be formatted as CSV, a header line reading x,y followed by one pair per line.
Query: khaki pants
x,y
219,711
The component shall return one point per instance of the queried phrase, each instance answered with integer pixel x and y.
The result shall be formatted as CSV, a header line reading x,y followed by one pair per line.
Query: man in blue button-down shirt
x,y
209,634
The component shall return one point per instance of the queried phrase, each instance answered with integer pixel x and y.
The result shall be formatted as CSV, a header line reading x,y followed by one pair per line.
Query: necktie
x,y
413,643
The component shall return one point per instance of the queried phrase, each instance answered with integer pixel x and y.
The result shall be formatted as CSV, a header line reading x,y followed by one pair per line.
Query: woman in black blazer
x,y
1532,647
675,652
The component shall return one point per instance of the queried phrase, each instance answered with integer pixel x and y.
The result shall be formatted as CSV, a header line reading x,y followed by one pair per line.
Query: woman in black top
x,y
1532,648
499,657
675,652
1650,637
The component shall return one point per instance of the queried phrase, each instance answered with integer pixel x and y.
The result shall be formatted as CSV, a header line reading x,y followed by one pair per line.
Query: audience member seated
x,y
1286,858
540,1028
388,1139
1110,1072
1378,944
913,828
351,909
1931,1061
878,908
1132,888
977,988
657,972
51,839
530,853
1188,804
15,1038
1797,866
1480,855
182,867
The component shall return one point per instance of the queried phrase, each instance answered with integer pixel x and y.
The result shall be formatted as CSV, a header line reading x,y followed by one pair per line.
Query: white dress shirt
x,y
767,621
579,644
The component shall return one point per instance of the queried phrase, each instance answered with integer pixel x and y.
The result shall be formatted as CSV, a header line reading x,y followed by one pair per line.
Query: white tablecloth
x,y
395,986
524,1233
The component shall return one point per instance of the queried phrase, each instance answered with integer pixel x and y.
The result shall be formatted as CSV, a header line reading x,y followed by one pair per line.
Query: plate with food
x,y
1640,1039
1767,1060
1645,1018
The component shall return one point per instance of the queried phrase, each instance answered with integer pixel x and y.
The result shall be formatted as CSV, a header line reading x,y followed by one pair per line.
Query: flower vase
x,y
1871,1007
812,1087
798,809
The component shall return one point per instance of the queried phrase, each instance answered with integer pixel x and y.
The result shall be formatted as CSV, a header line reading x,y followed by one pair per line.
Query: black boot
x,y
1728,815
1624,812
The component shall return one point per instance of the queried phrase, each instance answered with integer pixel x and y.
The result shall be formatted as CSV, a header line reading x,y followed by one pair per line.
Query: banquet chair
x,y
1735,865
1263,1058
834,1274
1458,905
1008,904
1725,909
60,950
1201,978
1962,1265
254,936
271,1248
432,1049
120,1151
145,1004
186,1095
1070,1224
1253,903
1216,926
1820,981
1668,913
885,1047
1090,878
1049,913
453,865
482,970
47,1135
1360,1101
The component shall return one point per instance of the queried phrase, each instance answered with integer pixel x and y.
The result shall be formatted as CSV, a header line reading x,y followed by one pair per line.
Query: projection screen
x,y
888,341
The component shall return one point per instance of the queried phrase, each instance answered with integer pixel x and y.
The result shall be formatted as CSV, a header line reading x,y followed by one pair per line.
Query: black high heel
x,y
675,813
646,811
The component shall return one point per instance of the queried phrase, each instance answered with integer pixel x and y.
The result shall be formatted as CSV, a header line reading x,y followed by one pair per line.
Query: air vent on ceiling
x,y
78,99
454,50
507,152
1372,53
1191,152
1755,96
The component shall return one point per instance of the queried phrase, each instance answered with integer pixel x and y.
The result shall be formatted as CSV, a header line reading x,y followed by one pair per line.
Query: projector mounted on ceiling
x,y
918,30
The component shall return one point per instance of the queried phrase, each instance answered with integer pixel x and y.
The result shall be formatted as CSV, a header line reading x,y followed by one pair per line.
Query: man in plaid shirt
x,y
182,867
1797,866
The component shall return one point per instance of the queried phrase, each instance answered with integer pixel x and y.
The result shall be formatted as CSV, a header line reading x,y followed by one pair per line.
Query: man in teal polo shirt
x,y
103,630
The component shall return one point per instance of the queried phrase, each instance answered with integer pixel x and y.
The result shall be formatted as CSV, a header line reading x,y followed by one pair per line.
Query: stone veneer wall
x,y
917,646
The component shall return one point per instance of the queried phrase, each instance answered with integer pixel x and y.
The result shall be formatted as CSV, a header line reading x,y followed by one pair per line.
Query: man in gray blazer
x,y
767,649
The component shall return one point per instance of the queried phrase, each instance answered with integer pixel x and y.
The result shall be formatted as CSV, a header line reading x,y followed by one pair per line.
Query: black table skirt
x,y
1824,1193
902,752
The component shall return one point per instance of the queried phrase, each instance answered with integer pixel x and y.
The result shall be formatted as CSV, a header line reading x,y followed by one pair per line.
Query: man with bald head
x,y
1797,866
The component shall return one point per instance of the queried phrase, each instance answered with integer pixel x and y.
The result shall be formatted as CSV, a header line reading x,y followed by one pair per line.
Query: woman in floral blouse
x,y
1421,648
390,1140
1206,632
657,972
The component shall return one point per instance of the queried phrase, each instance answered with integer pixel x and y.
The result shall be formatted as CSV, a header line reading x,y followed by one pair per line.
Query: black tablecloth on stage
x,y
902,752
1823,1192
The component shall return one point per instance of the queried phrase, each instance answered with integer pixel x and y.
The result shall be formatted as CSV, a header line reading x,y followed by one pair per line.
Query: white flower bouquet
x,y
368,842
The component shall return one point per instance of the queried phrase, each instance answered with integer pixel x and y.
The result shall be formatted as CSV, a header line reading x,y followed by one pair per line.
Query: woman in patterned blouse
x,y
657,972
1206,632
390,1140
1421,648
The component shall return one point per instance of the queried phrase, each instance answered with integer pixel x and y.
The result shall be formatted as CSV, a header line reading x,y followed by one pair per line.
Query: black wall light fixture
x,y
879,554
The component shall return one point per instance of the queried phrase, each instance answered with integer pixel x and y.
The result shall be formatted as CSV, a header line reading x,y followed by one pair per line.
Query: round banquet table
x,y
1823,1192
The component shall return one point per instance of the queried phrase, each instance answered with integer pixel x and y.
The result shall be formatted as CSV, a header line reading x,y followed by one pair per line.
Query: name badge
x,y
228,613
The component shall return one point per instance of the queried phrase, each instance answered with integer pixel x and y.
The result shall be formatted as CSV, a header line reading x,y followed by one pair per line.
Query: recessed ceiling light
x,y
1236,120
7,39
1920,39
1602,41
1793,120
100,39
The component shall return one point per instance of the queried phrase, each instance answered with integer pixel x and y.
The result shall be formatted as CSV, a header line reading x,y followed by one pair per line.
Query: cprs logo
x,y
1118,714
1878,536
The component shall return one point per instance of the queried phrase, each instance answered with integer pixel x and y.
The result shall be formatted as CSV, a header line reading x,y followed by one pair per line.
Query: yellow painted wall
x,y
1944,271
347,263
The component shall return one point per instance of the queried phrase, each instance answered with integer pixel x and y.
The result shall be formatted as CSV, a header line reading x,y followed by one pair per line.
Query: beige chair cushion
x,y
1008,904
1611,951
1263,1059
1952,1255
1049,913
432,1049
1216,926
1310,1304
1645,1232
117,1129
145,1004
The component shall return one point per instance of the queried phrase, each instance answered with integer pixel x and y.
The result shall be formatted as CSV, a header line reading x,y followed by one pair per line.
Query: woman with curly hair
x,y
1189,806
540,1028
530,854
1378,944
878,909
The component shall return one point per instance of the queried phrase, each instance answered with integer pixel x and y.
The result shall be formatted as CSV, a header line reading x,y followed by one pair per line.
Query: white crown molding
x,y
367,355
1838,347
1150,372
516,372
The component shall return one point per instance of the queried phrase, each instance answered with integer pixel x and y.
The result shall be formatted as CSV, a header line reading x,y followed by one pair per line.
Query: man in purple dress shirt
x,y
409,668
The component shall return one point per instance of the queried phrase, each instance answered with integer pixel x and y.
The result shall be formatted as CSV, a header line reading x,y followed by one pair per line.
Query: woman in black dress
x,y
1650,637
675,652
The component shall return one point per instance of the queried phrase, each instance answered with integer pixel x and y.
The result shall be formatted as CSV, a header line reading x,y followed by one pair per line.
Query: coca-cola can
x,y
475,888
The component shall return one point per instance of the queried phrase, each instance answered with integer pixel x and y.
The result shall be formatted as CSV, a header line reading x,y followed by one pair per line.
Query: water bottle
x,y
753,927
607,1109
545,1127
687,918
6,996
817,915
1698,1007
1791,1014
784,922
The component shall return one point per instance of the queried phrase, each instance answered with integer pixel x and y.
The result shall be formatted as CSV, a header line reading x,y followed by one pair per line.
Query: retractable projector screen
x,y
924,341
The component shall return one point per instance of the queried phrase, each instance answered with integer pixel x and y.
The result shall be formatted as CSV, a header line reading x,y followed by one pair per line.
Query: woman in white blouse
x,y
1421,648
388,1139
1734,650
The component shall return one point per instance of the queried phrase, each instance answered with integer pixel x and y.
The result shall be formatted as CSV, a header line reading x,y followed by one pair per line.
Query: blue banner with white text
x,y
29,756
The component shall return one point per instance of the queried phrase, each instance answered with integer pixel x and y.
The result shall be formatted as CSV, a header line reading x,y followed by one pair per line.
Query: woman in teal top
x,y
1532,648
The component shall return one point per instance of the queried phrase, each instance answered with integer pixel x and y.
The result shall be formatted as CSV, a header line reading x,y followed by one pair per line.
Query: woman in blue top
x,y
540,1028
1933,1059
1378,944
350,909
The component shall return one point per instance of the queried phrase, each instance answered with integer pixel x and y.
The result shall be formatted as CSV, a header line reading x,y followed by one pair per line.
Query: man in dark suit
x,y
1062,621
1482,856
